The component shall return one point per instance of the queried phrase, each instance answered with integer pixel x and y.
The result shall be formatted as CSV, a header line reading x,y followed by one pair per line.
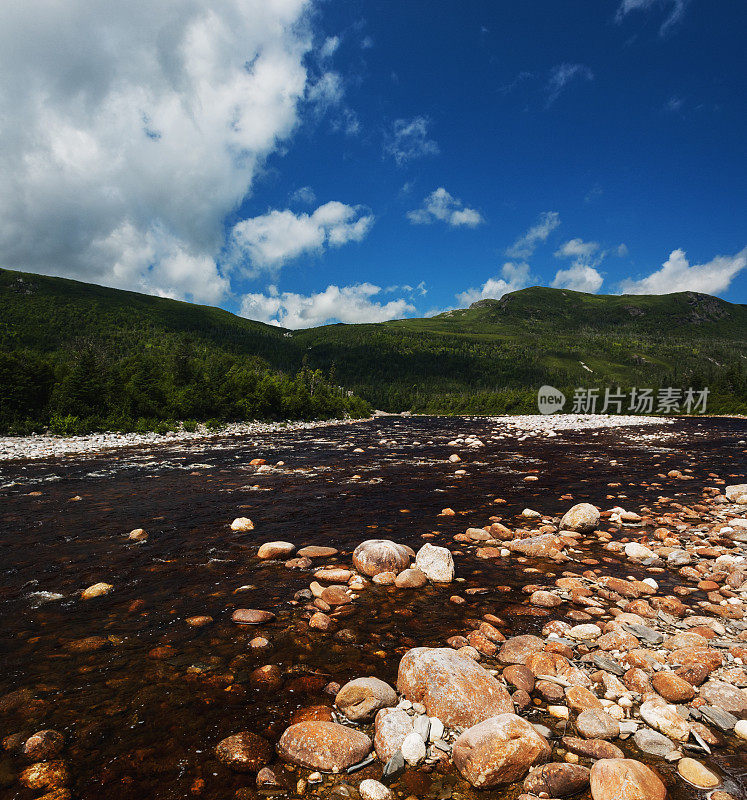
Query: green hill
x,y
82,357
493,356
75,354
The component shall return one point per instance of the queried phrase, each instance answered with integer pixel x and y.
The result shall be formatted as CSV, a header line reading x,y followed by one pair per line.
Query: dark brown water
x,y
144,727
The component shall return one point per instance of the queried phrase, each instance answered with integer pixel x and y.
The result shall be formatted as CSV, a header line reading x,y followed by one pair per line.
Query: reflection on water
x,y
143,698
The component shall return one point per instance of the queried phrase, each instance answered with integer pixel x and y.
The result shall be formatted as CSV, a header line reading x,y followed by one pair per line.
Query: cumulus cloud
x,y
272,239
582,275
678,275
334,304
409,140
675,11
579,278
513,277
130,131
562,75
525,245
440,205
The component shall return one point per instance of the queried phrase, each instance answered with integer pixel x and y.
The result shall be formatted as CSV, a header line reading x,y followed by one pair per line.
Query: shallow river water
x,y
143,723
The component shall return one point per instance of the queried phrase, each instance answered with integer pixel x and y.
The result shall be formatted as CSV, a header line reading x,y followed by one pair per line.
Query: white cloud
x,y
304,194
562,75
131,130
329,46
409,140
524,246
514,277
272,239
577,248
421,289
582,275
678,275
622,250
335,304
440,205
327,91
578,277
676,8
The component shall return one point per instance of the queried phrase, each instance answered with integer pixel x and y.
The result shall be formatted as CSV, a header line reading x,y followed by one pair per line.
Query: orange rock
x,y
625,779
498,751
324,746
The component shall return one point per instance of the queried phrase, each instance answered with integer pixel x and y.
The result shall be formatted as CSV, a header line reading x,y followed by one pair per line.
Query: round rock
x,y
325,746
361,698
499,750
625,779
276,550
436,562
370,789
557,780
451,687
381,555
697,774
583,517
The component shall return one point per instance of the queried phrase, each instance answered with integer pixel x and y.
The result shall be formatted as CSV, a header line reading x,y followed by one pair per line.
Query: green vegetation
x,y
492,357
76,357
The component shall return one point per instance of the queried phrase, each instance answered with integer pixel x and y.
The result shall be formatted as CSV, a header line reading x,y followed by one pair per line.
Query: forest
x,y
77,357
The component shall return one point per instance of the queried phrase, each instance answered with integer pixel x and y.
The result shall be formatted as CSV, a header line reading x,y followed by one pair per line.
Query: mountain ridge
x,y
488,358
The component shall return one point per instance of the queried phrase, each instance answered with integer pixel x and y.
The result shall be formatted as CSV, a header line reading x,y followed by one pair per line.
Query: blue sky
x,y
305,162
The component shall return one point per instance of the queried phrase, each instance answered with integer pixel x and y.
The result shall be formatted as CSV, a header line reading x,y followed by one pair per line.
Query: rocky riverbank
x,y
49,446
617,659
14,448
548,648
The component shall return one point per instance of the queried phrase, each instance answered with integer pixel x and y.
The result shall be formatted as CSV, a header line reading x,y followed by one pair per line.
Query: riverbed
x,y
143,705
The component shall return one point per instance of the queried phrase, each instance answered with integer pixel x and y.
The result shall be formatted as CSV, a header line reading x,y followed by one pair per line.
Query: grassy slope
x,y
44,313
533,336
540,334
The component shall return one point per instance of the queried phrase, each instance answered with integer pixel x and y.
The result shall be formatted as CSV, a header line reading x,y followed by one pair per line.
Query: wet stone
x,y
361,698
625,779
697,774
252,616
723,720
653,743
244,752
597,724
592,748
557,780
44,745
451,687
326,746
498,751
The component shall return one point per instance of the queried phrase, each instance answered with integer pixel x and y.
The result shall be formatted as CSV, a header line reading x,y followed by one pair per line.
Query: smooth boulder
x,y
498,751
324,746
361,698
393,726
453,688
582,518
381,555
625,779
